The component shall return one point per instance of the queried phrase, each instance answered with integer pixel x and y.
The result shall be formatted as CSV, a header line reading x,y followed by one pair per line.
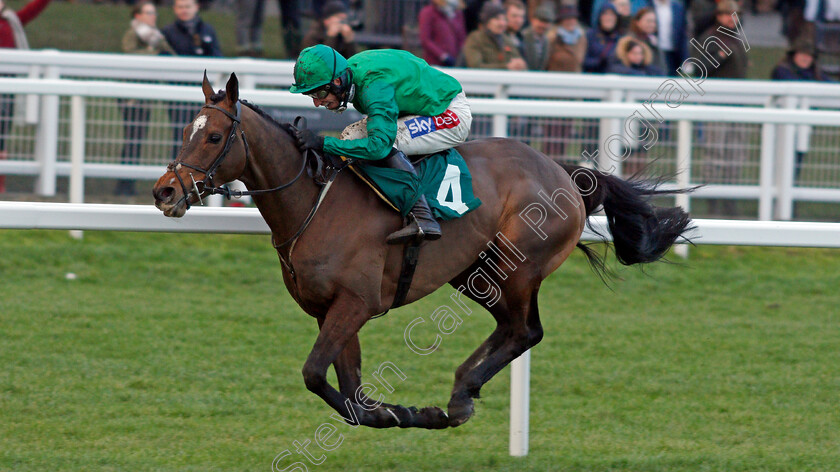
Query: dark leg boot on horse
x,y
423,225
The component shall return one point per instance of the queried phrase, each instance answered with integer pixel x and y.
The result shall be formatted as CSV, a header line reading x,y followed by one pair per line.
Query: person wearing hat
x,y
567,42
725,144
800,63
411,107
488,47
732,64
535,46
332,29
442,32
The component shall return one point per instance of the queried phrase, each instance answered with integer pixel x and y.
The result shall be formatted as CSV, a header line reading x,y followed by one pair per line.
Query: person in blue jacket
x,y
601,40
800,63
188,36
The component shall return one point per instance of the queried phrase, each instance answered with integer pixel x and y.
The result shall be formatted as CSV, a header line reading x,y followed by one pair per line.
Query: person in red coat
x,y
442,32
13,36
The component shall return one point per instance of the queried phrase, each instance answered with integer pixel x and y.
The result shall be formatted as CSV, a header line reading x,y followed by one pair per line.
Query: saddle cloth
x,y
442,177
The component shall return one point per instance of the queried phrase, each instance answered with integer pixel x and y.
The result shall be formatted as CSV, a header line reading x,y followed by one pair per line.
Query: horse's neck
x,y
274,161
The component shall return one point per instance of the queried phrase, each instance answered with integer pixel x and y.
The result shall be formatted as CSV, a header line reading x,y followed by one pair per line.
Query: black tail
x,y
641,232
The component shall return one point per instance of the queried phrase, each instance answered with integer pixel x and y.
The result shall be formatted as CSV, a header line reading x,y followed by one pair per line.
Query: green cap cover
x,y
316,66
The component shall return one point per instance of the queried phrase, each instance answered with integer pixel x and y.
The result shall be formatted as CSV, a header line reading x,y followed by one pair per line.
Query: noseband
x,y
207,182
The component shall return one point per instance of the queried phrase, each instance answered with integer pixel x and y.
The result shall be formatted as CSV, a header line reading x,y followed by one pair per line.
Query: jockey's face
x,y
330,102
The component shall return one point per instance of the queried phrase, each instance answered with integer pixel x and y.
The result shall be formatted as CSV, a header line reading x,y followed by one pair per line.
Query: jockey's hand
x,y
307,139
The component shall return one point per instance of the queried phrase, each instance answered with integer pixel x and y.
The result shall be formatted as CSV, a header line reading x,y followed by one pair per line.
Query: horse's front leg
x,y
348,369
338,343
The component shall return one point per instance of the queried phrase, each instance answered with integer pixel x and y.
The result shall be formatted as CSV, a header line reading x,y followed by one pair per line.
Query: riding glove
x,y
307,139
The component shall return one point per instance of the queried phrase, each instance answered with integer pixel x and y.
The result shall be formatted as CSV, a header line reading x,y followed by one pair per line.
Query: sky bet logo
x,y
426,124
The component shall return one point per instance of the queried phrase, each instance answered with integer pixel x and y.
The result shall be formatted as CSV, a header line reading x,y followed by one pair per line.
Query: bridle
x,y
207,184
212,189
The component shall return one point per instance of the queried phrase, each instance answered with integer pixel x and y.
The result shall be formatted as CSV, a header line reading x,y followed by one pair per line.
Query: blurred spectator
x,y
625,14
567,43
488,47
290,26
822,10
793,18
535,46
188,36
601,41
515,15
643,28
671,33
624,8
800,63
442,32
249,26
332,29
472,12
13,36
142,37
318,6
633,57
567,48
731,64
725,143
702,16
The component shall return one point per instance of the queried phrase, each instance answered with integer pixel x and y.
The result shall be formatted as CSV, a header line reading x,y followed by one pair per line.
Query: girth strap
x,y
411,255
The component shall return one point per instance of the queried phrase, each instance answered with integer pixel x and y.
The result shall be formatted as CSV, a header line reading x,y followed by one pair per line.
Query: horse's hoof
x,y
460,413
432,417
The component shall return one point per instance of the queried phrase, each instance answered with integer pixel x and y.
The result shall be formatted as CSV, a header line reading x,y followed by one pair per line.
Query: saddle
x,y
322,166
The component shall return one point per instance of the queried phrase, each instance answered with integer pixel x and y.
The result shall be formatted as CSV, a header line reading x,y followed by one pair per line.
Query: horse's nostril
x,y
165,194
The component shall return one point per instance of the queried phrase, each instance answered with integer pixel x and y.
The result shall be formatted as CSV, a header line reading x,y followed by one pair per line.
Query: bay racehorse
x,y
341,272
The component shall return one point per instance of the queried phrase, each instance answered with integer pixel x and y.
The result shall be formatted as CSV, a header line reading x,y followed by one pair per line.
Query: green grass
x,y
183,352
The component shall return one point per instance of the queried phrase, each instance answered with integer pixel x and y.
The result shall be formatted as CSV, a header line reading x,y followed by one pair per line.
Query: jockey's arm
x,y
379,103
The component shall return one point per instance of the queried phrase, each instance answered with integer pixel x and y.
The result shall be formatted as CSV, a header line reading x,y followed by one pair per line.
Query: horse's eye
x,y
215,138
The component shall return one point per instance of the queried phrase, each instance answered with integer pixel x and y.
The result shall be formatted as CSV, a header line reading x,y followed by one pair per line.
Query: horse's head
x,y
213,152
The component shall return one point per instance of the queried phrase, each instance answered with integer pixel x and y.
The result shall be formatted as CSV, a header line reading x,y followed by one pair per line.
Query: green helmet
x,y
316,66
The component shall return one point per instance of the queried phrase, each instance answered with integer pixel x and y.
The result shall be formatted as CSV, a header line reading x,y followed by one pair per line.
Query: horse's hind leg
x,y
518,329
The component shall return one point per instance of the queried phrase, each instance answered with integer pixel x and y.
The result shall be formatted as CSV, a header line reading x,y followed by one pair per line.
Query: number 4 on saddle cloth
x,y
442,177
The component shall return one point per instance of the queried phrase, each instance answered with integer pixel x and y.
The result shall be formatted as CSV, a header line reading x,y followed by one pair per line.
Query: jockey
x,y
411,107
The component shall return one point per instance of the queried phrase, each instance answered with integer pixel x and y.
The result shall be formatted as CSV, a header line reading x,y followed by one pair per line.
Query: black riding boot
x,y
423,225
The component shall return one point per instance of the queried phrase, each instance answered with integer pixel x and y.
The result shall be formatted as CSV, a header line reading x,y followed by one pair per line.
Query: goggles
x,y
320,93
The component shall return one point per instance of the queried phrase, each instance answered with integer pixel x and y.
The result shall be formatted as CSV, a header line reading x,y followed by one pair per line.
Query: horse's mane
x,y
221,94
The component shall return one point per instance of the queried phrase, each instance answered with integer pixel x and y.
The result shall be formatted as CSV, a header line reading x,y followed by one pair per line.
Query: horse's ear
x,y
232,89
206,88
